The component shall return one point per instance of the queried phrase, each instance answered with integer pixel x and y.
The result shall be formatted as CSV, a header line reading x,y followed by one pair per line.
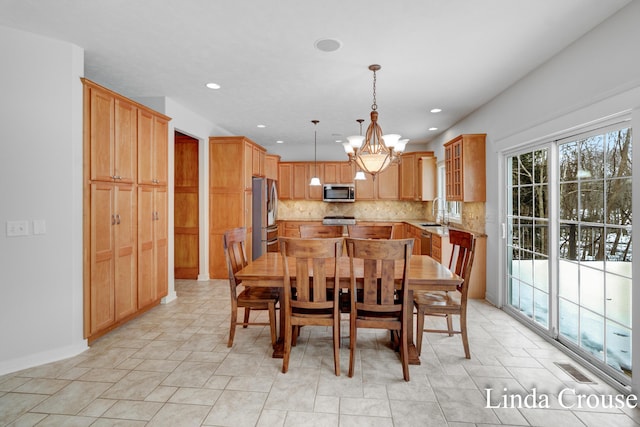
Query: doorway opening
x,y
186,230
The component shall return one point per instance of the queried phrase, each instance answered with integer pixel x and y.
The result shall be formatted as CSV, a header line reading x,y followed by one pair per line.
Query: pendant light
x,y
374,152
315,181
359,174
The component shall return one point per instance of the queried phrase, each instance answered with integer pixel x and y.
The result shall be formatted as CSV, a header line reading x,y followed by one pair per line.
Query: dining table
x,y
425,274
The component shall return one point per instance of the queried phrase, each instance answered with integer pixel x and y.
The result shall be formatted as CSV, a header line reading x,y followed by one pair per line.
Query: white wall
x,y
592,79
41,305
40,179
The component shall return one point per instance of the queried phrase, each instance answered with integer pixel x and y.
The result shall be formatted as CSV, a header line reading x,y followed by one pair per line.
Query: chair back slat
x,y
379,261
235,254
462,255
312,257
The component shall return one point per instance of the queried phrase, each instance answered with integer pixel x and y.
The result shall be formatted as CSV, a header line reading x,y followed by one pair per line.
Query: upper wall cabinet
x,y
465,173
337,172
411,175
384,187
271,166
152,148
293,180
111,127
428,178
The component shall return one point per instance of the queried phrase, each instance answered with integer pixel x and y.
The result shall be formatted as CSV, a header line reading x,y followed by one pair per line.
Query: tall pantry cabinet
x,y
124,221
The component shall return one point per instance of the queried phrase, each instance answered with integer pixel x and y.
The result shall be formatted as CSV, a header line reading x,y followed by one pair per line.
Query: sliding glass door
x,y
569,261
528,235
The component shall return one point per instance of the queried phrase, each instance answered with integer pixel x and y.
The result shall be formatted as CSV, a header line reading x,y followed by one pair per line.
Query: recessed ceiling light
x,y
433,128
436,110
279,142
328,45
262,126
338,140
213,85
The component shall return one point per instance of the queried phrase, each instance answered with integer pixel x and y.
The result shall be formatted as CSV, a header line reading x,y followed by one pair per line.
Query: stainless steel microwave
x,y
339,193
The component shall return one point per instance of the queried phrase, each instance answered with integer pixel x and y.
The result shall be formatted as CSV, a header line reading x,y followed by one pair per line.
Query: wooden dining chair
x,y
249,298
370,231
448,304
381,304
313,302
308,231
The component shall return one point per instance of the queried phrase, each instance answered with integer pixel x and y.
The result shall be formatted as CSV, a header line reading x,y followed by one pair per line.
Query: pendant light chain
x,y
374,106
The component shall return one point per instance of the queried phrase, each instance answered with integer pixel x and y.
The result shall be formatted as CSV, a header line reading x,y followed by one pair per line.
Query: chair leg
x,y
450,325
336,345
419,330
465,338
232,328
404,353
272,322
295,335
247,312
352,346
287,347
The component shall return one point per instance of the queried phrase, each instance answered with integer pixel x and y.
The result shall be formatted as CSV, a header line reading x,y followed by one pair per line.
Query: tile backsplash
x,y
472,219
363,210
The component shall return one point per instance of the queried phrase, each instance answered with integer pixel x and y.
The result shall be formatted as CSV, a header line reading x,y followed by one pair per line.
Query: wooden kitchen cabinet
x,y
411,175
365,189
153,134
338,172
465,171
124,153
113,264
111,122
387,183
254,163
258,161
415,233
271,166
428,178
152,245
233,161
293,180
384,187
285,178
292,228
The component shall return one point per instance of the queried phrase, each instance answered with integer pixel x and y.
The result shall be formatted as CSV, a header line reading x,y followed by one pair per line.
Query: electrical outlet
x,y
17,228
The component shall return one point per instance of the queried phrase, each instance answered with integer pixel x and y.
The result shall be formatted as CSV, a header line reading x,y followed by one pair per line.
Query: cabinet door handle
x,y
113,219
118,219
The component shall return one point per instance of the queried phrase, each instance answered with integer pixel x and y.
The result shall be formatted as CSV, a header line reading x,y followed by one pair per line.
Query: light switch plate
x,y
17,228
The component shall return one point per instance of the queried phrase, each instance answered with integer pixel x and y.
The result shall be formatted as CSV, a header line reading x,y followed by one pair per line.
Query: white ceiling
x,y
451,54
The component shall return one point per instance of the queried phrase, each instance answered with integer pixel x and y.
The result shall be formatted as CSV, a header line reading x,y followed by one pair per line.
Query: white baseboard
x,y
37,359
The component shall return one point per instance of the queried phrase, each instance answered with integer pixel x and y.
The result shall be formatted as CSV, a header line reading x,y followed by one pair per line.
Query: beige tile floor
x,y
171,367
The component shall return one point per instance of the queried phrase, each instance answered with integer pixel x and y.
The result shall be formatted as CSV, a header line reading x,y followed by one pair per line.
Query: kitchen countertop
x,y
440,230
419,223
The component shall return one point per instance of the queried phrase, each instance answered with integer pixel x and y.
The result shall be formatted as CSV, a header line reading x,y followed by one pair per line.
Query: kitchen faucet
x,y
439,201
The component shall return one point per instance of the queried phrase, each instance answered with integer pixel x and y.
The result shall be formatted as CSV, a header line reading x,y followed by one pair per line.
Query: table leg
x,y
414,359
278,347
